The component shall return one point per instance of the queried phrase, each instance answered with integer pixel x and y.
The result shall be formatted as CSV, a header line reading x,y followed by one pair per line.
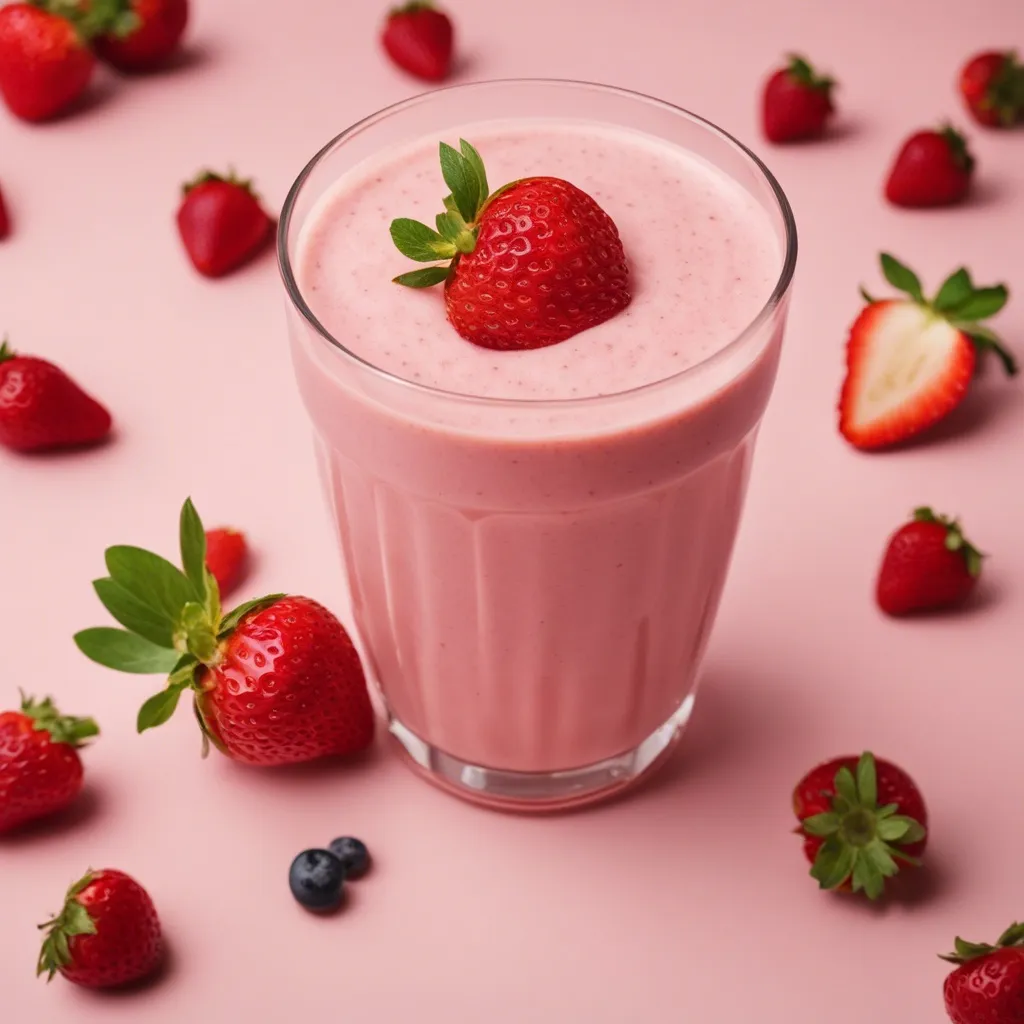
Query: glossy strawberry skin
x,y
128,944
988,990
420,40
290,688
920,573
548,264
42,408
222,226
37,776
814,792
161,25
927,173
792,111
226,557
44,64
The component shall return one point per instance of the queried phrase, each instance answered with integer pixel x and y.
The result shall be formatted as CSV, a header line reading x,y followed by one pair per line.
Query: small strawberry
x,y
932,168
40,771
222,223
276,681
150,32
909,362
928,564
5,220
226,557
987,986
106,935
797,102
419,39
532,264
862,821
992,85
41,407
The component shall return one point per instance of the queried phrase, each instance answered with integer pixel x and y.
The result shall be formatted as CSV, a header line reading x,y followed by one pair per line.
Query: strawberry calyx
x,y
173,620
413,7
964,952
803,73
957,144
958,301
62,728
6,352
205,177
955,539
457,227
73,919
1005,93
92,18
861,840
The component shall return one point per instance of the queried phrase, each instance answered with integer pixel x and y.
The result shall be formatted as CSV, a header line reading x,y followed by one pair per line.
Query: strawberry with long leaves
x,y
275,681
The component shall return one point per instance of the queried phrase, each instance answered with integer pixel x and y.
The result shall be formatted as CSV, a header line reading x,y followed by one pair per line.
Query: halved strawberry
x,y
909,362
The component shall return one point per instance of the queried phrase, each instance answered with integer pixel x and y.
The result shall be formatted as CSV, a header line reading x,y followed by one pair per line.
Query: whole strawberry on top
x,y
149,34
41,407
992,87
862,820
276,681
928,564
910,361
532,263
797,102
987,986
221,223
932,168
40,770
106,935
419,38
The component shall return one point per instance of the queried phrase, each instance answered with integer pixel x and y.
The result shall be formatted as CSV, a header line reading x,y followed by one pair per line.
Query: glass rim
x,y
773,301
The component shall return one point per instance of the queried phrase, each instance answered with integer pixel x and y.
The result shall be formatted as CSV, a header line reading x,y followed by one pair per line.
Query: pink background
x,y
690,901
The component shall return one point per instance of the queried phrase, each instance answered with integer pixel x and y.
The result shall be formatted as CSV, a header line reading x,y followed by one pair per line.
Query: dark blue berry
x,y
316,878
353,854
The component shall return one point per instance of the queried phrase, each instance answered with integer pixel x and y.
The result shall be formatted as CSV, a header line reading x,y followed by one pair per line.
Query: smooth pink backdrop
x,y
689,902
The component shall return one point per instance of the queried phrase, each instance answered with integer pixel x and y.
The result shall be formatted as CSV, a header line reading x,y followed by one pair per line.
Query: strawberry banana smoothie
x,y
536,538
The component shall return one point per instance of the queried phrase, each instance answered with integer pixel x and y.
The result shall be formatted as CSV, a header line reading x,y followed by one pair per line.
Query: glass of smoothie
x,y
536,540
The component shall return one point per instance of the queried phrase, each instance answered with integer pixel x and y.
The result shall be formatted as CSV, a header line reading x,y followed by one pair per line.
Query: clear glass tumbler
x,y
535,647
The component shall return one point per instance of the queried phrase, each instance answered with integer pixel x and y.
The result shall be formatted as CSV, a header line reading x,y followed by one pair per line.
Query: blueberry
x,y
316,878
353,854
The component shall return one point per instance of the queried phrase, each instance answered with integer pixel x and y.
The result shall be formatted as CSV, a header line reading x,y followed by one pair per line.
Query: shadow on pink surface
x,y
85,810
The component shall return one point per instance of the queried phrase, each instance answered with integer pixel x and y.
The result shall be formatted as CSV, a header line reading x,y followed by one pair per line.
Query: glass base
x,y
541,791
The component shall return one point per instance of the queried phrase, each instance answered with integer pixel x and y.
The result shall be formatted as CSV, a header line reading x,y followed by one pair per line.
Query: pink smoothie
x,y
535,570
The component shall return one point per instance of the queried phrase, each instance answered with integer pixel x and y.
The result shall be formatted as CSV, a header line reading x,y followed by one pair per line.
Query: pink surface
x,y
690,900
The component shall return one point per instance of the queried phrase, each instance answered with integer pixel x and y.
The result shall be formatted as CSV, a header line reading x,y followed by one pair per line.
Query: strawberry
x,y
797,102
531,265
862,821
419,39
992,85
276,681
106,935
928,564
149,34
226,557
932,168
909,362
987,986
222,223
5,220
40,771
41,407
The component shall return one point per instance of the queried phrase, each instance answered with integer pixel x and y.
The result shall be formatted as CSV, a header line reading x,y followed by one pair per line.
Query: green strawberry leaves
x,y
965,951
73,919
62,728
955,539
802,71
959,301
126,652
419,242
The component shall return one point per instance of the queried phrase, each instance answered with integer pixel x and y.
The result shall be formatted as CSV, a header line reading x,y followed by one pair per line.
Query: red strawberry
x,y
933,168
797,102
222,223
41,407
992,85
862,821
276,681
5,220
531,265
909,362
107,934
988,985
419,39
149,34
928,564
40,771
226,557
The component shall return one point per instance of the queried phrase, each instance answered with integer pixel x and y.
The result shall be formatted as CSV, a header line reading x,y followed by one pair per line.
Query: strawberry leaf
x,y
867,781
825,824
232,619
419,242
193,547
957,288
460,176
160,707
846,787
124,651
893,828
982,303
150,579
986,340
833,863
901,277
148,622
425,278
476,165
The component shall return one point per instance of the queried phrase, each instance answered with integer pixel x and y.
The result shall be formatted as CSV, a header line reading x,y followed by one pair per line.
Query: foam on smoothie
x,y
703,256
